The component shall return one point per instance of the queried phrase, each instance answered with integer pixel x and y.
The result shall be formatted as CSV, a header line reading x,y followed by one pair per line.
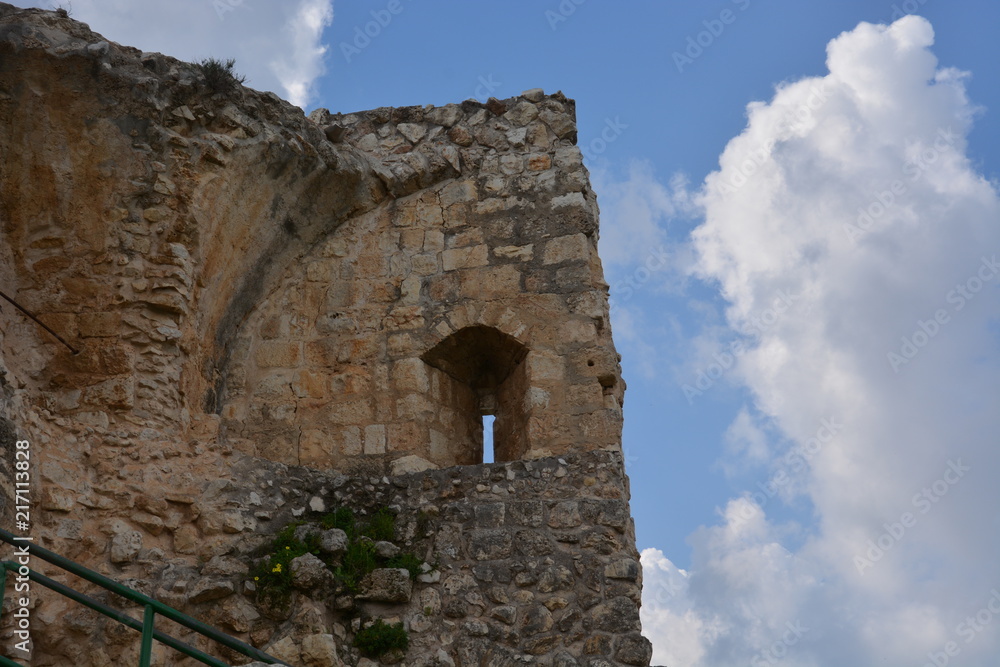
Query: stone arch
x,y
485,369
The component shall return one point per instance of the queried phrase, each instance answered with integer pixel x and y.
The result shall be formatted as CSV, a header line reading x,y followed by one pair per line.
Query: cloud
x,y
304,30
852,193
635,211
277,45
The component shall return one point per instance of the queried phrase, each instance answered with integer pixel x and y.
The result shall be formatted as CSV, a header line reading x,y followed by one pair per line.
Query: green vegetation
x,y
380,527
359,559
219,75
380,637
273,575
342,518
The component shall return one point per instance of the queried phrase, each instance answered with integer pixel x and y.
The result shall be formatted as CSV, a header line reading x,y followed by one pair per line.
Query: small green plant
x,y
381,526
408,562
359,560
380,637
219,75
273,576
342,518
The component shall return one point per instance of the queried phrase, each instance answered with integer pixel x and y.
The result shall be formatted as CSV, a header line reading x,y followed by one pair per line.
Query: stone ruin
x,y
275,316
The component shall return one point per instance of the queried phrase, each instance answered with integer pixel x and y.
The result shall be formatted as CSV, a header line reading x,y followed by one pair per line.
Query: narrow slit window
x,y
488,456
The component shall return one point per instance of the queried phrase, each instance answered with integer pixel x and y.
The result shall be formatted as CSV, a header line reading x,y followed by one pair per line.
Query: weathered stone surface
x,y
224,566
320,650
333,541
310,573
386,585
410,464
210,588
622,569
125,546
386,549
634,650
617,615
255,296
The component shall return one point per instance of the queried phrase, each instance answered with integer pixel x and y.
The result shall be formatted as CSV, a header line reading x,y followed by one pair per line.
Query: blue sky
x,y
819,495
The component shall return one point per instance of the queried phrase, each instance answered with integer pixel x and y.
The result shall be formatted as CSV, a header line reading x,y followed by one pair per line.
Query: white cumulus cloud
x,y
277,45
852,195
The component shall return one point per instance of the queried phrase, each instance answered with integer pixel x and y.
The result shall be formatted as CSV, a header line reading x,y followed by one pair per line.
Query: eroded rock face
x,y
272,316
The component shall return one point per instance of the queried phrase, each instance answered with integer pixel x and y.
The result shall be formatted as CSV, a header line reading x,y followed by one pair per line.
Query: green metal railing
x,y
145,626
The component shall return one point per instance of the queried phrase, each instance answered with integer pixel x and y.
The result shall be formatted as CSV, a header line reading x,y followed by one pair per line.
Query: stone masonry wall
x,y
273,314
331,363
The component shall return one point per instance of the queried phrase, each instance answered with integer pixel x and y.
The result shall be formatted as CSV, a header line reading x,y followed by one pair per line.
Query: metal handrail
x,y
151,608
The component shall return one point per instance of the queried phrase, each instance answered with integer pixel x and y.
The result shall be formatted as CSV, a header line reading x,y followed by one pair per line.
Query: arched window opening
x,y
486,371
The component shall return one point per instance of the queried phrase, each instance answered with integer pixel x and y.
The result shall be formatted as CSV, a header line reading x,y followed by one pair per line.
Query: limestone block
x,y
316,448
490,544
561,124
237,614
566,249
225,566
386,549
410,464
634,649
565,514
125,546
469,237
412,131
618,615
320,650
447,115
333,541
458,192
286,649
526,513
310,573
278,354
522,113
490,283
489,515
539,162
544,366
462,258
100,324
386,585
410,375
210,588
308,384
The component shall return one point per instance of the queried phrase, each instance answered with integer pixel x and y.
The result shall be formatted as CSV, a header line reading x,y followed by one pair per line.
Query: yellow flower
x,y
288,547
256,578
277,568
